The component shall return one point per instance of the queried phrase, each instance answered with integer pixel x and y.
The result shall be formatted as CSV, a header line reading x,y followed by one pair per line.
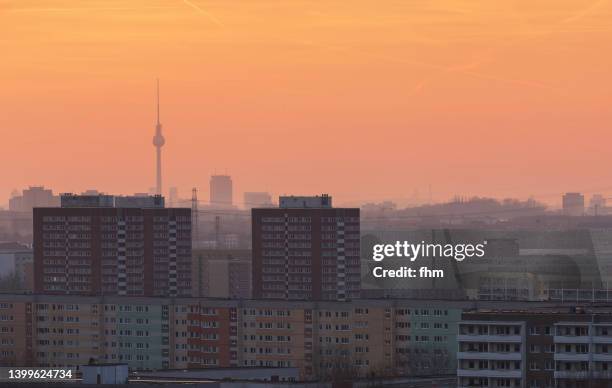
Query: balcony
x,y
571,339
572,375
495,373
506,356
604,357
602,374
572,357
602,339
489,338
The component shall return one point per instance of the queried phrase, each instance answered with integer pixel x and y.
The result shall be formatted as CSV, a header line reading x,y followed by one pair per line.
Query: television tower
x,y
158,142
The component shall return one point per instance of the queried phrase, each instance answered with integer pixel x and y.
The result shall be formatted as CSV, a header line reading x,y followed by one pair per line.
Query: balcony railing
x,y
511,356
489,338
496,373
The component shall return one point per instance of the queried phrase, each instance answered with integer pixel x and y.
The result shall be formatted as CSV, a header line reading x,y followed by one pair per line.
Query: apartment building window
x,y
549,348
577,331
480,382
472,347
582,348
584,366
549,365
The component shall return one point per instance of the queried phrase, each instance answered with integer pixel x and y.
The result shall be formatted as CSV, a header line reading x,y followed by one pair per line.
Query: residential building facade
x,y
91,247
555,347
306,250
322,339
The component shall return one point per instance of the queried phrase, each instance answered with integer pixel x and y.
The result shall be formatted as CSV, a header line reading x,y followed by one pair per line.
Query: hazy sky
x,y
359,99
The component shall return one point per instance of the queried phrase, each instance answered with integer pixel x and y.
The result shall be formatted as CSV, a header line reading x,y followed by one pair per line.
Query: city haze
x,y
366,100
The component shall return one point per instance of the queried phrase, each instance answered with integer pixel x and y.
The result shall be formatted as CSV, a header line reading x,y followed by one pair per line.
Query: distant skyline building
x,y
573,204
221,191
17,259
303,202
222,273
33,196
257,199
597,205
173,198
158,142
306,250
91,192
107,245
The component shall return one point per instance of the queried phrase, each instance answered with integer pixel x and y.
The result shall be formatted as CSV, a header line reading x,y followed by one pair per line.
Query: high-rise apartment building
x,y
221,191
306,250
105,245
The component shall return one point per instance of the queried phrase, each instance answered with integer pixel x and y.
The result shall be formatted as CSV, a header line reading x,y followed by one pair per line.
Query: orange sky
x,y
360,99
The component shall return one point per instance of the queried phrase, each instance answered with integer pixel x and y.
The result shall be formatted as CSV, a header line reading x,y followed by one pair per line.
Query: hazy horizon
x,y
365,101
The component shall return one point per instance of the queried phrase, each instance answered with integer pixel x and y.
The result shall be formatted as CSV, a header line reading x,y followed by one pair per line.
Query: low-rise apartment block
x,y
583,351
545,346
323,340
553,347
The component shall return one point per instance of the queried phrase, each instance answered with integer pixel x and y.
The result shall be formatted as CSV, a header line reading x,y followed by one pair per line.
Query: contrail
x,y
80,9
420,86
466,70
584,12
199,9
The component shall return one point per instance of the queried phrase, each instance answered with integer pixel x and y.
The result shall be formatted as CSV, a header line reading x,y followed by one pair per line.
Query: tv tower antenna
x,y
158,142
